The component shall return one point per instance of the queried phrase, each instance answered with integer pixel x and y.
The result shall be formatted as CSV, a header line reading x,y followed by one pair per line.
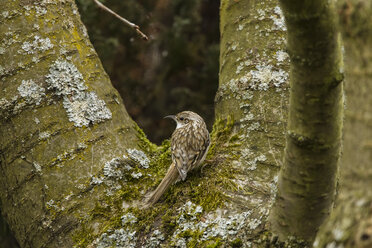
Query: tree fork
x,y
307,181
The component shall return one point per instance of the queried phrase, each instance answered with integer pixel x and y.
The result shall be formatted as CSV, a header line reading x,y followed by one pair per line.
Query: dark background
x,y
176,70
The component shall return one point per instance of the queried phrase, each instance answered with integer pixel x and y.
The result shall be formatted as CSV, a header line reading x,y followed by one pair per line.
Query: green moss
x,y
101,211
221,134
223,128
203,187
169,222
83,237
144,143
236,243
127,193
214,244
192,237
193,240
234,138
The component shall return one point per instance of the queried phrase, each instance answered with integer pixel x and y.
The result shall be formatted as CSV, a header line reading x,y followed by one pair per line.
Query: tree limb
x,y
130,24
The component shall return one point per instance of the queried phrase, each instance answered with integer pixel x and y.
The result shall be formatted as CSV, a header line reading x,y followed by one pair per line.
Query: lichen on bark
x,y
46,162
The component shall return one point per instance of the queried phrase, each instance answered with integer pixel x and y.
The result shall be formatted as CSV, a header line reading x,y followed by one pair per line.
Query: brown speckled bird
x,y
189,146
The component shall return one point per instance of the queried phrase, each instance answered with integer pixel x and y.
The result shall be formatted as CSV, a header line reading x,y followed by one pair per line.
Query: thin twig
x,y
130,24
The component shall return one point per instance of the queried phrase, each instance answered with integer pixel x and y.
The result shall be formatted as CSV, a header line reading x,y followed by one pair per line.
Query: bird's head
x,y
185,118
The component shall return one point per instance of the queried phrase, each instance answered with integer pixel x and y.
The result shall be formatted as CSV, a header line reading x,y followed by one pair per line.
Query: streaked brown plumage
x,y
189,146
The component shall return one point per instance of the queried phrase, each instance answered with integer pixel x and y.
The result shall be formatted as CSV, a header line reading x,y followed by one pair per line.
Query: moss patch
x,y
203,187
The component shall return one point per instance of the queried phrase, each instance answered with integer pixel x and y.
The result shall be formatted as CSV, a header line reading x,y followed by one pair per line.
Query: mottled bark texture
x,y
253,92
307,181
350,223
61,120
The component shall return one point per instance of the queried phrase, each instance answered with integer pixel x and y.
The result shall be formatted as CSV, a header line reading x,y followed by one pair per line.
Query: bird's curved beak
x,y
173,117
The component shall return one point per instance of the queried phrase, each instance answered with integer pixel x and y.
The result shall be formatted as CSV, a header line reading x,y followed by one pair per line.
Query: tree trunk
x,y
350,224
61,121
253,93
307,180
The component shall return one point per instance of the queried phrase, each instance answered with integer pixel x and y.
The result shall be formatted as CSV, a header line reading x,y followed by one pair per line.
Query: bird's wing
x,y
179,158
189,151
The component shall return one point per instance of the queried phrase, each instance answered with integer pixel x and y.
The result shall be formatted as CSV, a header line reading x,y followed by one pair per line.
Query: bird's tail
x,y
168,180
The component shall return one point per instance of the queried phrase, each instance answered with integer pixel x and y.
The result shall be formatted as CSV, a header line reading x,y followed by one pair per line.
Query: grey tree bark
x,y
307,181
61,120
350,225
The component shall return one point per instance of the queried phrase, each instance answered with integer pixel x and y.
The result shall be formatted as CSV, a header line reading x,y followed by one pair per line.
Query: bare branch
x,y
130,24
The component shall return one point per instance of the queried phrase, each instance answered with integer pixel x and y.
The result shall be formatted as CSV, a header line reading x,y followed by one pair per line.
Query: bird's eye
x,y
181,118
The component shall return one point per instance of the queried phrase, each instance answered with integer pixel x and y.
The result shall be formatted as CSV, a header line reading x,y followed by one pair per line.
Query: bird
x,y
190,142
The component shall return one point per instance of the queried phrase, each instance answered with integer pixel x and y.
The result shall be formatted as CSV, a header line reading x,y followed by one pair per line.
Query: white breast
x,y
179,125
